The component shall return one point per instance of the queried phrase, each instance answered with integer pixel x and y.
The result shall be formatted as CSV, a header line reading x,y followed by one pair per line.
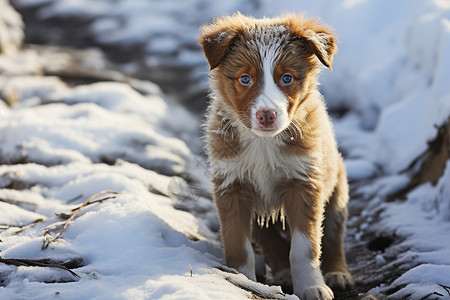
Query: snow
x,y
359,169
135,245
423,281
11,214
61,143
424,220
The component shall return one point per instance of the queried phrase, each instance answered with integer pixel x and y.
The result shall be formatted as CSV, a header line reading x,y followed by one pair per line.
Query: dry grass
x,y
34,263
48,239
16,202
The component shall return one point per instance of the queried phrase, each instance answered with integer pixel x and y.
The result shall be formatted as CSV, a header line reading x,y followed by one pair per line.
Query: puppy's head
x,y
265,68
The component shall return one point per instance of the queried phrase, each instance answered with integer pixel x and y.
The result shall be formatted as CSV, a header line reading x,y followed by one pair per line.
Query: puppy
x,y
272,150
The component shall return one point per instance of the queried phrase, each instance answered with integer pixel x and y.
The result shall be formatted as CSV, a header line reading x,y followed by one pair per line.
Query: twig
x,y
190,268
257,293
53,227
430,294
445,287
74,198
62,215
79,209
24,227
96,201
4,227
34,263
68,215
47,242
16,202
227,270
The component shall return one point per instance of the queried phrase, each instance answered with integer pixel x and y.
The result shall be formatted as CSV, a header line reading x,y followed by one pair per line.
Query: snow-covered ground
x,y
60,146
64,139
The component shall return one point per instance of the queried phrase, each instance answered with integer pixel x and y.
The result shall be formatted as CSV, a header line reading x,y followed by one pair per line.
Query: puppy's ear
x,y
319,38
216,39
323,45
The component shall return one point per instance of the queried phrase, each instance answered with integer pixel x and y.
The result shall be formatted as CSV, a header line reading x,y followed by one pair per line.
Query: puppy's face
x,y
265,68
262,76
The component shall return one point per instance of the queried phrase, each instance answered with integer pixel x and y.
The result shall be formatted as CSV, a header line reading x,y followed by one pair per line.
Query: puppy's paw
x,y
320,292
339,280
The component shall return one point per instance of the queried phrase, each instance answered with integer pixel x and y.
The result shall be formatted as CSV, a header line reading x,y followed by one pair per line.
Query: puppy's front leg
x,y
235,208
304,211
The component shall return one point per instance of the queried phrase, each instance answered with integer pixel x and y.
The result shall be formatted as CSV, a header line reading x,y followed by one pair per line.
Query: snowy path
x,y
72,125
63,143
155,235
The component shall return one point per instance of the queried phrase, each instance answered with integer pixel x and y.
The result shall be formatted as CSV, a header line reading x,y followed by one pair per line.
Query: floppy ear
x,y
319,39
322,44
215,45
216,41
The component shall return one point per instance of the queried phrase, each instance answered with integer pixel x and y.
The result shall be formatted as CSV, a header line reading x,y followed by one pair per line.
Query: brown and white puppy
x,y
272,148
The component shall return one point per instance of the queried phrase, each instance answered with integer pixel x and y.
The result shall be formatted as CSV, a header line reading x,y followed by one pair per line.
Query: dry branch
x,y
256,294
62,215
21,227
74,198
34,263
228,275
24,227
97,201
16,202
4,227
69,215
53,227
77,210
445,287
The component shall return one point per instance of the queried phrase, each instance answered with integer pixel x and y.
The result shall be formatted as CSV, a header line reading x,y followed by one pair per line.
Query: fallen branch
x,y
445,287
227,270
431,294
97,201
68,215
256,289
53,227
83,205
4,227
256,293
34,263
74,198
21,227
77,210
24,227
16,202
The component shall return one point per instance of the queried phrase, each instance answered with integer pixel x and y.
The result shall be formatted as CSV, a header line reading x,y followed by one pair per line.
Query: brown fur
x,y
314,204
235,205
218,37
225,141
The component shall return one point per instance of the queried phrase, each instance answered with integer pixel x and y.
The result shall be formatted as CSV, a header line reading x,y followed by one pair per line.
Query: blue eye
x,y
245,79
286,78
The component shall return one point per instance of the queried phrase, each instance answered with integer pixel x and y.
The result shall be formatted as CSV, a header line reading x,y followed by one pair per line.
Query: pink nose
x,y
266,117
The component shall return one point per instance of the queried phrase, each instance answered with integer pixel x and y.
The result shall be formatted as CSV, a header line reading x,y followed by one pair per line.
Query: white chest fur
x,y
262,164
